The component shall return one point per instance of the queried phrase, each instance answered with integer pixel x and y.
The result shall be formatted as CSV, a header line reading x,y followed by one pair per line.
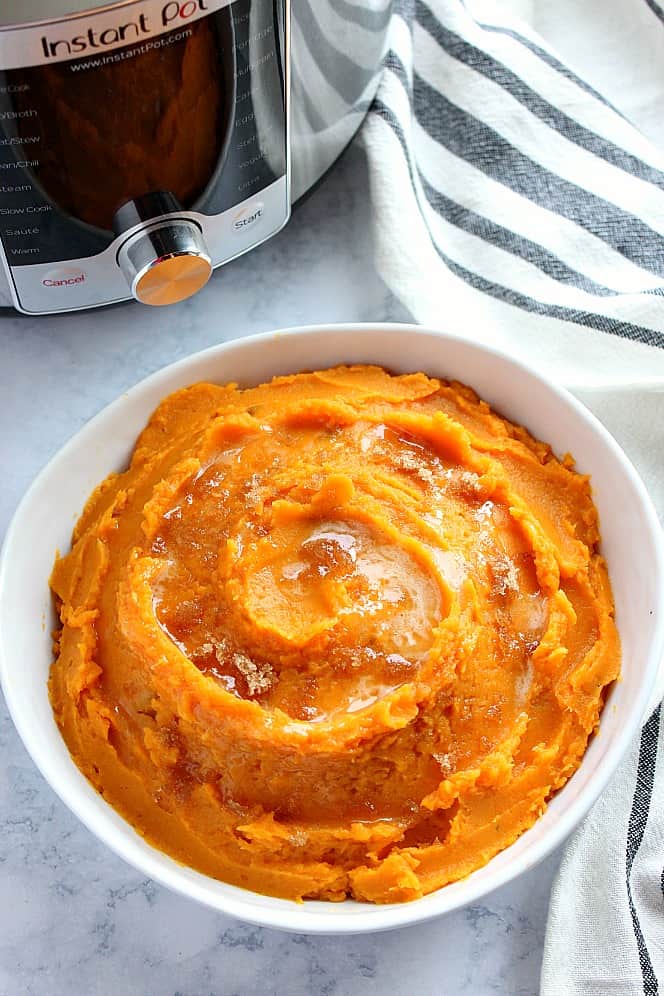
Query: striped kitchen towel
x,y
516,159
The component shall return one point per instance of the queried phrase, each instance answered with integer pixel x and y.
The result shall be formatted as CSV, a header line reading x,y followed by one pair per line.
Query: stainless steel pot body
x,y
186,128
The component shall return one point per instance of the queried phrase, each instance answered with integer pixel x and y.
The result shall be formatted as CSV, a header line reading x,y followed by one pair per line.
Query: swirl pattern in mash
x,y
343,634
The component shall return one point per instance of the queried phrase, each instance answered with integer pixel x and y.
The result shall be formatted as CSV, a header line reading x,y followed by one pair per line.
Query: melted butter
x,y
338,575
523,683
291,572
451,565
529,614
369,437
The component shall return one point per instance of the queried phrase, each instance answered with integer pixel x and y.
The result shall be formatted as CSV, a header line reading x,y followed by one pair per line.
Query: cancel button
x,y
64,276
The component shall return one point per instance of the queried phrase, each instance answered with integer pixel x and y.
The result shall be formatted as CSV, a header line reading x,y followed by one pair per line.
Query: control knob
x,y
166,259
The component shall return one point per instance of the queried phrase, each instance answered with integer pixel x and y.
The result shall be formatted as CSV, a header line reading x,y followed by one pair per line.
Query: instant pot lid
x,y
19,12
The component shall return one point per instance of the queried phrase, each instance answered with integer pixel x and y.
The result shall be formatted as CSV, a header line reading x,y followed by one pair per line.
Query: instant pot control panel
x,y
141,145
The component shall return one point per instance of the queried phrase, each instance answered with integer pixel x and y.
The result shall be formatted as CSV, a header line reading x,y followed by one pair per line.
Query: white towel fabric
x,y
516,156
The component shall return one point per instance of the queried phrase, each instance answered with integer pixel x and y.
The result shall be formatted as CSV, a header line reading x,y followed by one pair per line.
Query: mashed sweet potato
x,y
343,634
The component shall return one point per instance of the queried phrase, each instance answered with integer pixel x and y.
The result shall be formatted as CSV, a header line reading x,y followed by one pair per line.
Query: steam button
x,y
166,261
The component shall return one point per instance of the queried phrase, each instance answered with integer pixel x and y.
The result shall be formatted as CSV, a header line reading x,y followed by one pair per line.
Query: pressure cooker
x,y
145,142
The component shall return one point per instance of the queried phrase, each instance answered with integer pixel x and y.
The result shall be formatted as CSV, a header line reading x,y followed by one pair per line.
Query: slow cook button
x,y
248,215
64,276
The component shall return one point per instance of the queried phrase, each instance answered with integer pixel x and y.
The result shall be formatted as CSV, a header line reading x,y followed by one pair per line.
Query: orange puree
x,y
343,634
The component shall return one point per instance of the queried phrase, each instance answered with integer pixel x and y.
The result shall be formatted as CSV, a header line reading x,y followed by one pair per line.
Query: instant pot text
x,y
172,13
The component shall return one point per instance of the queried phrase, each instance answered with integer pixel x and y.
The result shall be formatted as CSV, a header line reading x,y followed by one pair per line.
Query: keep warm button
x,y
64,276
248,215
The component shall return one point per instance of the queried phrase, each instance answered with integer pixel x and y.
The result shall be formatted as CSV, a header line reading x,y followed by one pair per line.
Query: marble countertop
x,y
74,919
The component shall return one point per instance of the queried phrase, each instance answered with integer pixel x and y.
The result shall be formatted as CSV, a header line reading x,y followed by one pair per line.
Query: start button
x,y
64,276
248,215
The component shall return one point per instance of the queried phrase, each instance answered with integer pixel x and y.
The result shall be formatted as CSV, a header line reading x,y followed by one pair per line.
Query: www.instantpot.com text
x,y
129,53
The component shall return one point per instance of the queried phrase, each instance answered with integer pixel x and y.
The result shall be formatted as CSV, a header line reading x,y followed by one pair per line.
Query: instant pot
x,y
145,142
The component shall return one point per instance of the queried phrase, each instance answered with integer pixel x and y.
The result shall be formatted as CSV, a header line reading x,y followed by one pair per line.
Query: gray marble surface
x,y
74,919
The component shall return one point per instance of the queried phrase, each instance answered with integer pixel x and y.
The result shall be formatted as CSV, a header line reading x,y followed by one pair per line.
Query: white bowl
x,y
632,544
